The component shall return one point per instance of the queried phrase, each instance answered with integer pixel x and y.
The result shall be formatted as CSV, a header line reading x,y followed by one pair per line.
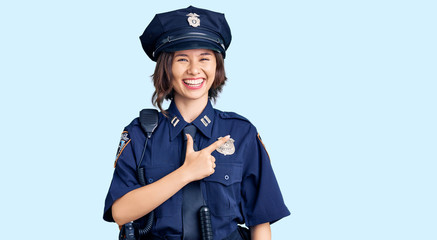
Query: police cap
x,y
188,28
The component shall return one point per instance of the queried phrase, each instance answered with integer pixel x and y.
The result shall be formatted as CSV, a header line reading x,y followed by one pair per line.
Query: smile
x,y
194,83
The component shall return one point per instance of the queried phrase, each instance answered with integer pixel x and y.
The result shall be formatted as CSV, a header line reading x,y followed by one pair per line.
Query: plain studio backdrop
x,y
343,94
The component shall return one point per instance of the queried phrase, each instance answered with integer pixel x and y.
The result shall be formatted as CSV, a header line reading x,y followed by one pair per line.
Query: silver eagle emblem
x,y
193,19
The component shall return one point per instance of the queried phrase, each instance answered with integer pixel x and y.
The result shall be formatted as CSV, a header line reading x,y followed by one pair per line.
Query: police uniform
x,y
243,188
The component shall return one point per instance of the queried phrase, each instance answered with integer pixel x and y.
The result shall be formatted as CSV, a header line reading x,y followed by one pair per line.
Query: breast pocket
x,y
173,204
223,189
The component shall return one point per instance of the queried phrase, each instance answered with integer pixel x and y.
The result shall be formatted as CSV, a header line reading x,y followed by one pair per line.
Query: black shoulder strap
x,y
148,121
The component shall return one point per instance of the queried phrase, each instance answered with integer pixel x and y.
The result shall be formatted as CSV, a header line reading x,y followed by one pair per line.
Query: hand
x,y
201,164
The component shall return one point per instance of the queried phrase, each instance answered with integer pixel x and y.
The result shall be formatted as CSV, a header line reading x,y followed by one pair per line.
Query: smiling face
x,y
193,74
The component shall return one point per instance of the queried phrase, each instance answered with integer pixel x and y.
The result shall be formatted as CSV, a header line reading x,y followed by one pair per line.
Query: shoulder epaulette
x,y
232,115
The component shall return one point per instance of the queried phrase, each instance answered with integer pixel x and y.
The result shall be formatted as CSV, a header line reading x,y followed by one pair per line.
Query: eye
x,y
204,59
182,60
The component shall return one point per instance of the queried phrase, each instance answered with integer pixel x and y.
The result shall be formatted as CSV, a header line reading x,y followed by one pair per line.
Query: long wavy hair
x,y
163,76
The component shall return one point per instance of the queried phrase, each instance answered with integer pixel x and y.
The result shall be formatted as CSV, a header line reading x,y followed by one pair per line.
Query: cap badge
x,y
193,19
228,148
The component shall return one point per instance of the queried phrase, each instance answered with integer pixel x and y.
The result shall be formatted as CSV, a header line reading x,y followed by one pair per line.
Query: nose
x,y
194,69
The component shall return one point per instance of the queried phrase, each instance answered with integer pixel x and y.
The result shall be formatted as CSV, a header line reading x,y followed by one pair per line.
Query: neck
x,y
190,109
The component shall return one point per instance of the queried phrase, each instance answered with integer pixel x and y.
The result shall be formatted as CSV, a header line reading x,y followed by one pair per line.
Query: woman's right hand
x,y
201,164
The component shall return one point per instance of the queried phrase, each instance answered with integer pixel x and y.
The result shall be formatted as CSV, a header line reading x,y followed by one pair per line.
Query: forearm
x,y
141,201
261,232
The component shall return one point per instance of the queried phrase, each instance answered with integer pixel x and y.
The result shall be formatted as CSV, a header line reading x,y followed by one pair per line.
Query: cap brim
x,y
190,45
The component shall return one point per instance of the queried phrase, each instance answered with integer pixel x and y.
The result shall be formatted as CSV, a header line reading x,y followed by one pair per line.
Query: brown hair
x,y
162,79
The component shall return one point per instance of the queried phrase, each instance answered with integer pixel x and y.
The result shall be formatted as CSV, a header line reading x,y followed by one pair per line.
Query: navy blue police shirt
x,y
243,188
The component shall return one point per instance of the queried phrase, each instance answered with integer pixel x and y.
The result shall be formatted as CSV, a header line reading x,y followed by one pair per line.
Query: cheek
x,y
211,78
175,85
176,79
176,71
211,72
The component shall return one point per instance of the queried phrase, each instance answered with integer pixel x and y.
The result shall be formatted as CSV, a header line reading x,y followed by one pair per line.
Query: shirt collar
x,y
203,122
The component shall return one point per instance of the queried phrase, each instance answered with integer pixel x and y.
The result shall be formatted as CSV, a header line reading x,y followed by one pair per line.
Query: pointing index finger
x,y
211,148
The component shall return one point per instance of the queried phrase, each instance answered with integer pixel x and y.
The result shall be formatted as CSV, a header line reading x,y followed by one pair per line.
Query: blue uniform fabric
x,y
243,188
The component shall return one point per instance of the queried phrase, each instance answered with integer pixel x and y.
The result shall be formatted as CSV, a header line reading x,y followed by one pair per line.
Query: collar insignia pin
x,y
228,148
193,19
174,121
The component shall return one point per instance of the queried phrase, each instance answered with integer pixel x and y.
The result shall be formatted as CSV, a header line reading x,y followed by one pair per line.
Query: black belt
x,y
235,235
153,237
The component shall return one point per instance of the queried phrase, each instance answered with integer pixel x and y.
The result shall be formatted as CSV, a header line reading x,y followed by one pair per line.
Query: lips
x,y
193,83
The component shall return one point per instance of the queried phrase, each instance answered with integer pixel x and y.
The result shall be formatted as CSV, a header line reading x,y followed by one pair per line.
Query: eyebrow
x,y
185,55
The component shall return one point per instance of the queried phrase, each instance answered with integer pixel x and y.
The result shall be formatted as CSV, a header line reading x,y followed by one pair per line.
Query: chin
x,y
192,97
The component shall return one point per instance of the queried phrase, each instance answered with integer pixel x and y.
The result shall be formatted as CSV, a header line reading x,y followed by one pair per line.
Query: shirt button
x,y
226,177
150,180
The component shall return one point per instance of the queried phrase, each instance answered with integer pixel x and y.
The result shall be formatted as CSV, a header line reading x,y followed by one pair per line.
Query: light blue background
x,y
342,92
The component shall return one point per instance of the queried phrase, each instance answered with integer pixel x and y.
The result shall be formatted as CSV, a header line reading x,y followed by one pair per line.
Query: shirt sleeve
x,y
261,197
124,179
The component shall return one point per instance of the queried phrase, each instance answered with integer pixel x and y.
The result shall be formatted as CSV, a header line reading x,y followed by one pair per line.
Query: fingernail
x,y
227,136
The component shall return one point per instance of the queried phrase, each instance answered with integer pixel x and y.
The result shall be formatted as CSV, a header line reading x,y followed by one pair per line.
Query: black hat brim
x,y
188,45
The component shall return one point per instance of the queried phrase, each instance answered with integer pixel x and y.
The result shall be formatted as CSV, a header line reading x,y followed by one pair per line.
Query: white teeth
x,y
193,82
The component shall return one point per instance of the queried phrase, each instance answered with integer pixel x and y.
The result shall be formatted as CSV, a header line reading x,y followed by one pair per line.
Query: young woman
x,y
197,155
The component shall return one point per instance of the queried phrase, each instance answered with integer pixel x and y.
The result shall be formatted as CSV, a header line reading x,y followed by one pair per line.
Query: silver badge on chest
x,y
228,148
193,19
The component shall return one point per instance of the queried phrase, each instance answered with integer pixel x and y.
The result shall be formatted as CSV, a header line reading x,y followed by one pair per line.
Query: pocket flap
x,y
226,173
